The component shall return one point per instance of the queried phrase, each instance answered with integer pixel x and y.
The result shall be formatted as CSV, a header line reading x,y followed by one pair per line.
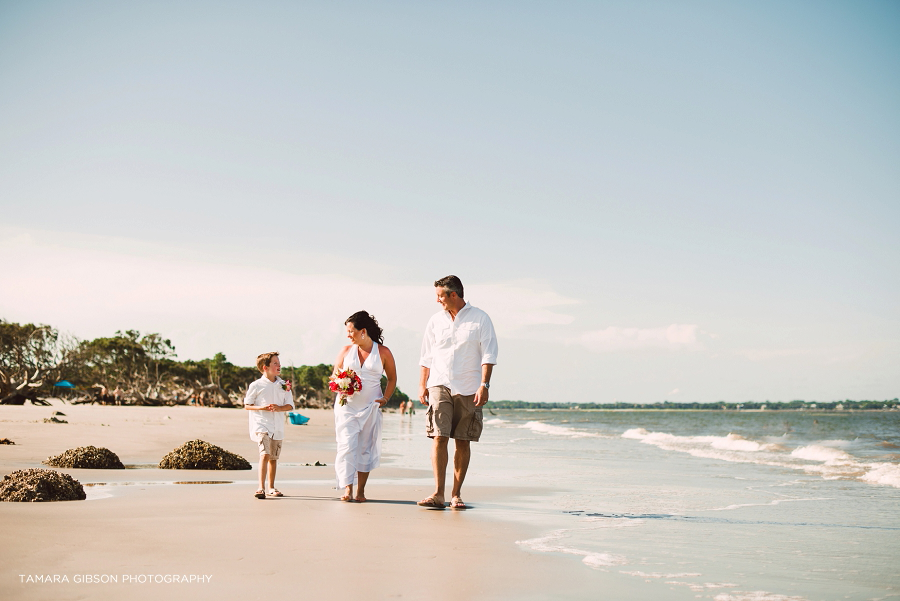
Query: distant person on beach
x,y
402,407
459,352
357,422
411,407
266,398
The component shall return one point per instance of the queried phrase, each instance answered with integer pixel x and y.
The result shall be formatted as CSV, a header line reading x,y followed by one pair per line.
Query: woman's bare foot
x,y
348,494
361,498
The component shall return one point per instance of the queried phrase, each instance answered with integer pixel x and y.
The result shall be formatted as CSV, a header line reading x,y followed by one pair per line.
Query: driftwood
x,y
19,398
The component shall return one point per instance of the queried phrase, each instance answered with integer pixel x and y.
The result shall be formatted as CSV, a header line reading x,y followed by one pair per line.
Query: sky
x,y
684,201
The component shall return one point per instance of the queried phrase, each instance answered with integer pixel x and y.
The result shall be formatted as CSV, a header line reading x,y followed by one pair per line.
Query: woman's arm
x,y
340,360
390,370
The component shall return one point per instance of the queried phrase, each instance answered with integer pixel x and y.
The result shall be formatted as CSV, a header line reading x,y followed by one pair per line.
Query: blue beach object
x,y
297,419
64,384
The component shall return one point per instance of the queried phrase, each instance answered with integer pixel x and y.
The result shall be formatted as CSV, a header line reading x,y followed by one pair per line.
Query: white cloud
x,y
674,337
241,310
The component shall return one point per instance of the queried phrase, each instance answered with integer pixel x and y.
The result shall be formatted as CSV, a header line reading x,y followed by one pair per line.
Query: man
x,y
459,352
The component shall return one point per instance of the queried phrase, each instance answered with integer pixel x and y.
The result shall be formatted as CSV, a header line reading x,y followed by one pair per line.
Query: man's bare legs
x,y
439,465
439,460
460,467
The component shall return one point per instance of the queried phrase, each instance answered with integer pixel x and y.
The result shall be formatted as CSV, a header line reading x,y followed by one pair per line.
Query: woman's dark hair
x,y
363,321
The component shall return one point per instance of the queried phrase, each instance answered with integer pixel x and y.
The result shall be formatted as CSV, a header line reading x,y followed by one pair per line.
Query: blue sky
x,y
688,201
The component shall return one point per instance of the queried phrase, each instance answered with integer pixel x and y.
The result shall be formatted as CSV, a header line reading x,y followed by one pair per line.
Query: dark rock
x,y
87,458
54,420
320,464
36,484
201,455
6,441
59,413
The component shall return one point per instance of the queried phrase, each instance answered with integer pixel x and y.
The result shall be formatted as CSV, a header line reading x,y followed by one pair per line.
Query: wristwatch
x,y
486,385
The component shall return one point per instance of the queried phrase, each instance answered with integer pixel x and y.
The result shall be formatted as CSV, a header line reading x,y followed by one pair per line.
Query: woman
x,y
357,424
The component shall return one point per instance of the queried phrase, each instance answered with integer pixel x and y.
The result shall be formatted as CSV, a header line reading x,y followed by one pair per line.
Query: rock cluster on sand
x,y
36,484
90,457
6,441
200,455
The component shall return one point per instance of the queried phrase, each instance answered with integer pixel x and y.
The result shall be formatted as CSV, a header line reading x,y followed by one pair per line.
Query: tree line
x,y
131,368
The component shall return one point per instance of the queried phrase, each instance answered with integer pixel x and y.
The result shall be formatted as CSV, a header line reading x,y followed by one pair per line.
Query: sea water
x,y
725,505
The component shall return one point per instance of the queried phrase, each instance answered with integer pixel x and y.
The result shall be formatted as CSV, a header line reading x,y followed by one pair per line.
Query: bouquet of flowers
x,y
346,383
286,385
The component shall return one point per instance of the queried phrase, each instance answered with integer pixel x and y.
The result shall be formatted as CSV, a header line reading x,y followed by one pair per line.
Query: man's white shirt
x,y
455,349
261,393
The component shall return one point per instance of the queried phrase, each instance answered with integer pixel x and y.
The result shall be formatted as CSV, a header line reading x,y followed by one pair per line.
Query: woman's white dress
x,y
357,424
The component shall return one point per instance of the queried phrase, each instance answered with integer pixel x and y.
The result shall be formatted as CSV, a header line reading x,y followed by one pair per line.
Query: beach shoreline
x,y
138,521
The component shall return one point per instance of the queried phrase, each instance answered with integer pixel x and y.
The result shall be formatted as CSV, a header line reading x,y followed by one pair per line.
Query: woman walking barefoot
x,y
357,423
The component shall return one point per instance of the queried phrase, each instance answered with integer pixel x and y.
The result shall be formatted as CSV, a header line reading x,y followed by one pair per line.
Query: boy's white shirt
x,y
264,392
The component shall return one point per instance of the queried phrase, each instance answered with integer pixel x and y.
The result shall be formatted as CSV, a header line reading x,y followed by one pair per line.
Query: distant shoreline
x,y
660,410
762,407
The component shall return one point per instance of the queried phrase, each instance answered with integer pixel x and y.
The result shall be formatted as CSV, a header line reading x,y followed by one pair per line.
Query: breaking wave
x,y
822,458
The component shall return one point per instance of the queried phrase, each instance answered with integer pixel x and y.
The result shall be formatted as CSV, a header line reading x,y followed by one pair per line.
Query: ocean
x,y
724,505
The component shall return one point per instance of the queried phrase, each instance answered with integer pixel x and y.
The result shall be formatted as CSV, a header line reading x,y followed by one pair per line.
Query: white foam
x,y
775,502
817,452
732,442
545,428
755,596
829,463
698,587
661,575
550,544
883,473
603,560
496,421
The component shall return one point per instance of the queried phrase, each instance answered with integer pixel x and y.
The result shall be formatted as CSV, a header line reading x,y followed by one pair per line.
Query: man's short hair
x,y
450,283
262,362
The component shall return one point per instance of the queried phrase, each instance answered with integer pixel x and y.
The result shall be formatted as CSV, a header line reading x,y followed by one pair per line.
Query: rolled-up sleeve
x,y
425,357
488,342
252,394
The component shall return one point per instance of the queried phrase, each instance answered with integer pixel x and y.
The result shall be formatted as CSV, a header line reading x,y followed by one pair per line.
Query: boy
x,y
265,397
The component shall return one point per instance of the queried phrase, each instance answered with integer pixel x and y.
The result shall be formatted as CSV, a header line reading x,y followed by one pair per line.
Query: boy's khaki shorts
x,y
453,415
269,446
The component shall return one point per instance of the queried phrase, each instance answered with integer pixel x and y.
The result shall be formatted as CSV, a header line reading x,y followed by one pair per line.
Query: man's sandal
x,y
430,502
275,493
457,503
260,494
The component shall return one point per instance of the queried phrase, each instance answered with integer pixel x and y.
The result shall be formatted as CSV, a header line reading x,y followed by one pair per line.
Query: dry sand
x,y
307,545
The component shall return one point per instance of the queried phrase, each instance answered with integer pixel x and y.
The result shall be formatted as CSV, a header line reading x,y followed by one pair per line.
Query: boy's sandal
x,y
275,493
260,494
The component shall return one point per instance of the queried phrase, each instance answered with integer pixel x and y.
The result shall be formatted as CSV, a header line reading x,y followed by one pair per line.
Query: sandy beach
x,y
142,524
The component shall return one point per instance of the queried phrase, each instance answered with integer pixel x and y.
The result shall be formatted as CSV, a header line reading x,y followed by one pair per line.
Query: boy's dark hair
x,y
262,362
450,283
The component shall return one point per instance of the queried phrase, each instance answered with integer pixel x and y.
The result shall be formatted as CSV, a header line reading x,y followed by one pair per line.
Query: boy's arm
x,y
250,400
